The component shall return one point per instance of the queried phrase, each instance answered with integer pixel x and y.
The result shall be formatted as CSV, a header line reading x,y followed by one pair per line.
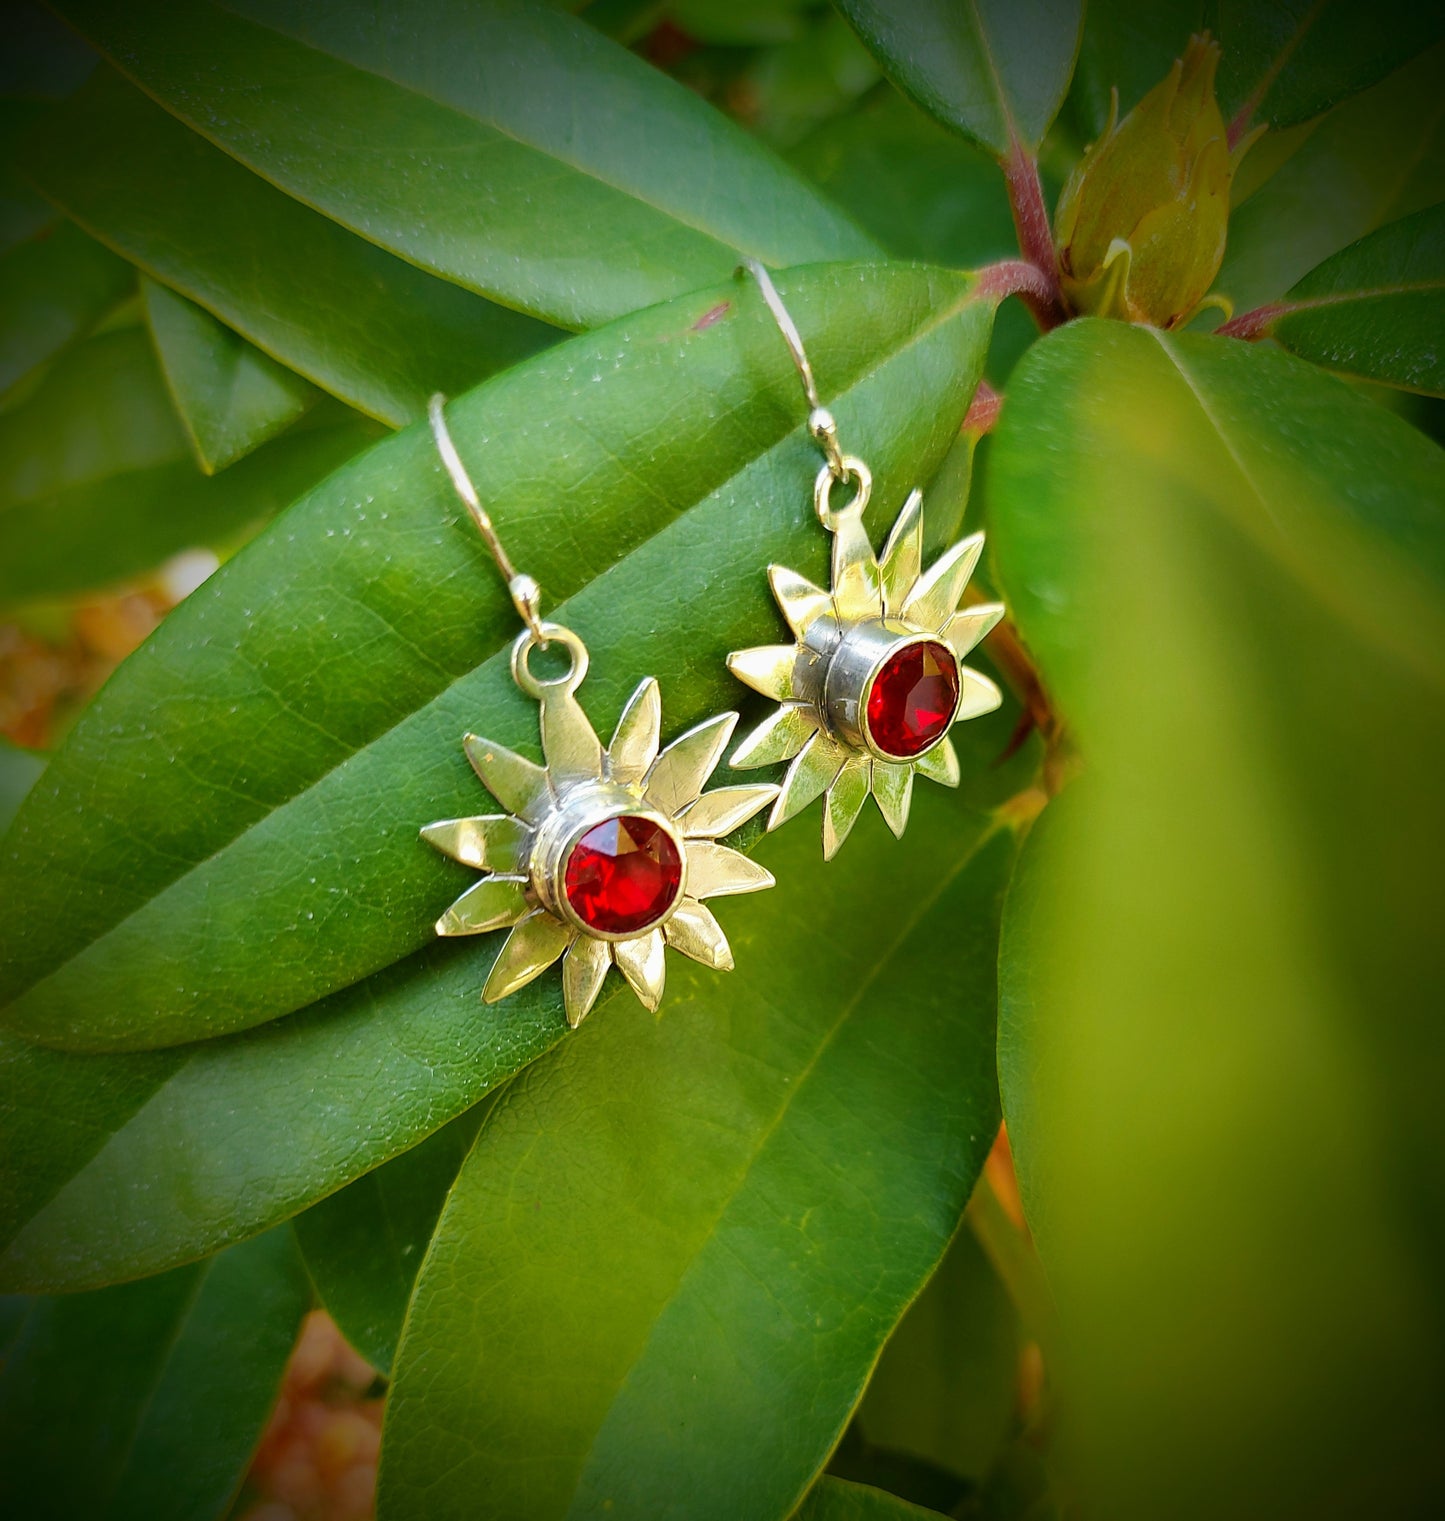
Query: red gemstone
x,y
913,699
623,875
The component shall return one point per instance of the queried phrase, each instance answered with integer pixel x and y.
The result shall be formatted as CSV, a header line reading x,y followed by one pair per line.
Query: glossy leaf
x,y
230,396
23,214
1232,570
43,59
19,771
362,324
945,1387
146,1401
463,155
97,481
913,185
1377,309
398,1056
757,1185
1374,159
1288,60
364,1245
994,70
54,288
837,1500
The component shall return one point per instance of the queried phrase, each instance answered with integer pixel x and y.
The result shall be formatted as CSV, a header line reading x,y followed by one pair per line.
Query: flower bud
x,y
1141,223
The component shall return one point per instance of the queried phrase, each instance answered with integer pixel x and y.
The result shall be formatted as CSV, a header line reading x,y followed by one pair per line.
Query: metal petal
x,y
491,904
530,949
716,871
569,742
937,594
680,772
893,788
583,970
902,557
490,842
844,803
856,592
720,812
641,962
778,738
979,695
695,932
964,630
518,784
767,669
810,775
940,764
800,601
639,731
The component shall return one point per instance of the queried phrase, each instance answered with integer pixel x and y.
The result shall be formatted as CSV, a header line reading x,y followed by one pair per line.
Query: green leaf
x,y
1377,309
463,153
362,324
146,1401
913,185
1232,571
994,70
97,481
363,1246
166,1156
837,1500
1376,158
924,194
1288,60
230,396
740,23
43,59
19,771
54,288
679,1242
382,632
23,214
945,1387
896,351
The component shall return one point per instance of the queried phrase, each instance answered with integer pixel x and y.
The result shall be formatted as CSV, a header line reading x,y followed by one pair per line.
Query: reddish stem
x,y
1016,277
1036,239
1253,325
983,410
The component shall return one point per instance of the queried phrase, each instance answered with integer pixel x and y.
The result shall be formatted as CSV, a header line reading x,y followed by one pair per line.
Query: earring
x,y
603,856
875,678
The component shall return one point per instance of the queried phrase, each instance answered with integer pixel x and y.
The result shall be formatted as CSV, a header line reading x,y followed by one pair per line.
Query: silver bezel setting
x,y
577,815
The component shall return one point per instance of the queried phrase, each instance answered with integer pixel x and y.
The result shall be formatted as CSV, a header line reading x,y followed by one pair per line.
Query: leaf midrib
x,y
1276,546
990,826
197,125
936,319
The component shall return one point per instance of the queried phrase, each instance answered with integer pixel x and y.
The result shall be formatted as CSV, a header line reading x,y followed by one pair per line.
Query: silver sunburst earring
x,y
603,856
874,679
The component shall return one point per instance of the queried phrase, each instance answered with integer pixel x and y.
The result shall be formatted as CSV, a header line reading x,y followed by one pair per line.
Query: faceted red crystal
x,y
623,875
913,699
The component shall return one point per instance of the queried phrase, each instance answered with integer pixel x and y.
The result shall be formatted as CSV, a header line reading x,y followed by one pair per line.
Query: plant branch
x,y
1036,239
1253,325
983,410
1018,277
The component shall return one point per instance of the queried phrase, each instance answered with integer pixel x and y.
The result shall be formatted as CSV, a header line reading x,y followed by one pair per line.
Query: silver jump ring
x,y
853,469
543,637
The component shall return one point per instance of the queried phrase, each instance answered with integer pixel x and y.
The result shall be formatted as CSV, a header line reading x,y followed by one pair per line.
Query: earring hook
x,y
526,594
821,422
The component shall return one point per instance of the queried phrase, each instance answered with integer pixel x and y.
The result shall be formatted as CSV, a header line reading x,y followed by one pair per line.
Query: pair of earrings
x,y
607,855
